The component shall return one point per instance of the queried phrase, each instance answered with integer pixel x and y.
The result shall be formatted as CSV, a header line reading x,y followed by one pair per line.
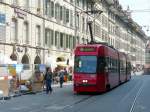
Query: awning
x,y
62,63
61,58
4,59
71,62
51,62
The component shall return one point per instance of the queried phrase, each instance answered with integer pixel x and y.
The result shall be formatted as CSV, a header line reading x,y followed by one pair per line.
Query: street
x,y
132,96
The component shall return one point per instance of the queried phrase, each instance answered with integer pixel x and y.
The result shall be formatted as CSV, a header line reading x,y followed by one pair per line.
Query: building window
x,y
83,4
77,39
52,37
56,39
64,15
47,8
67,15
26,32
52,9
57,11
26,4
97,30
83,24
78,2
15,2
38,35
15,30
72,1
38,3
71,18
70,42
83,41
61,13
67,41
74,42
61,40
77,21
47,35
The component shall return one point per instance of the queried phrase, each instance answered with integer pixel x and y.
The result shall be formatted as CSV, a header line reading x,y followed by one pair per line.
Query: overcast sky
x,y
141,17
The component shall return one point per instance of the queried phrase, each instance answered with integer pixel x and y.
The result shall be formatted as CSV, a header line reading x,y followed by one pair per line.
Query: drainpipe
x,y
44,50
75,32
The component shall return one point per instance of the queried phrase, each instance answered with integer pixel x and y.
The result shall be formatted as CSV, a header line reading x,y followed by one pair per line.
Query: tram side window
x,y
128,67
101,64
117,64
120,63
112,65
122,67
108,63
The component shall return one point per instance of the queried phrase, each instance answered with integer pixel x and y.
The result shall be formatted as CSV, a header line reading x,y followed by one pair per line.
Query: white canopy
x,y
51,62
4,59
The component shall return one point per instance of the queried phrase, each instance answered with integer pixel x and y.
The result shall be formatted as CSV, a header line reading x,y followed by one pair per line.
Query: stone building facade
x,y
34,31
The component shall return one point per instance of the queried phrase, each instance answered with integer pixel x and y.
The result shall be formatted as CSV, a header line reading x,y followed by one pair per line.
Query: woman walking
x,y
48,80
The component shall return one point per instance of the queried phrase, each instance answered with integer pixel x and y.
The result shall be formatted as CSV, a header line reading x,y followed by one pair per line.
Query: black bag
x,y
48,76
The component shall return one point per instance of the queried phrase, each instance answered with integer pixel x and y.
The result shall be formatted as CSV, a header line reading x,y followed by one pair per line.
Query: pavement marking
x,y
19,108
133,89
77,102
135,98
55,107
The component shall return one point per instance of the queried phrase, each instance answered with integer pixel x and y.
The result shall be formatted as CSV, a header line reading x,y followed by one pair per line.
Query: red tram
x,y
99,67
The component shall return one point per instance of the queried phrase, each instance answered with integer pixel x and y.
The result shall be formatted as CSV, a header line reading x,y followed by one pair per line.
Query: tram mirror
x,y
106,69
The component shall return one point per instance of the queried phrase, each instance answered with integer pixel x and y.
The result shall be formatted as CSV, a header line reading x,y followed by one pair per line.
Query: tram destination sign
x,y
88,49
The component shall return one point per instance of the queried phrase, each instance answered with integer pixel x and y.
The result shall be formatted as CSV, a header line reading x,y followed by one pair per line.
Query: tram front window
x,y
85,64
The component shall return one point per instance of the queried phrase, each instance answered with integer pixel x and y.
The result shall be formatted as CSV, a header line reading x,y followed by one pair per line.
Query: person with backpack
x,y
48,80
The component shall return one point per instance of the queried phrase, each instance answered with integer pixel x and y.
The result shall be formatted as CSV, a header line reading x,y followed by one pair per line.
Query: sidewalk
x,y
137,73
31,92
65,83
53,85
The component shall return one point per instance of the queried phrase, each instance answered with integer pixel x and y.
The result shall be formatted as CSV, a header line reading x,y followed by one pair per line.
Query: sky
x,y
141,17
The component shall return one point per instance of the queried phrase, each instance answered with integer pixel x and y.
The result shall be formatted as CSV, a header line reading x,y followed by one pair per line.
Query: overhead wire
x,y
138,10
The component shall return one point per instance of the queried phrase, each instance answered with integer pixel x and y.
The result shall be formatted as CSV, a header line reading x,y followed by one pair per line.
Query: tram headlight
x,y
84,81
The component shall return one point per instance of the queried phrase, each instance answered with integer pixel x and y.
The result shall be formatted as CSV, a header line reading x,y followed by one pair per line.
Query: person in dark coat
x,y
61,77
48,80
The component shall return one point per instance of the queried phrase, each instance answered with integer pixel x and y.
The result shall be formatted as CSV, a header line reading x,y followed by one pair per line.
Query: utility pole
x,y
90,23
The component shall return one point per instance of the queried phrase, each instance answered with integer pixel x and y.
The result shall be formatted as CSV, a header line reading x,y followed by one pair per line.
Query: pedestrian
x,y
61,77
65,75
134,71
48,80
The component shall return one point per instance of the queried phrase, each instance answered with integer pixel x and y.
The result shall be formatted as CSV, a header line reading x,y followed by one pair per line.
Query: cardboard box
x,y
4,86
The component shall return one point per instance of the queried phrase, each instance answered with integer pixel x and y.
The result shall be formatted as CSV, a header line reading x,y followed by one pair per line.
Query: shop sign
x,y
2,26
2,18
19,68
42,68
